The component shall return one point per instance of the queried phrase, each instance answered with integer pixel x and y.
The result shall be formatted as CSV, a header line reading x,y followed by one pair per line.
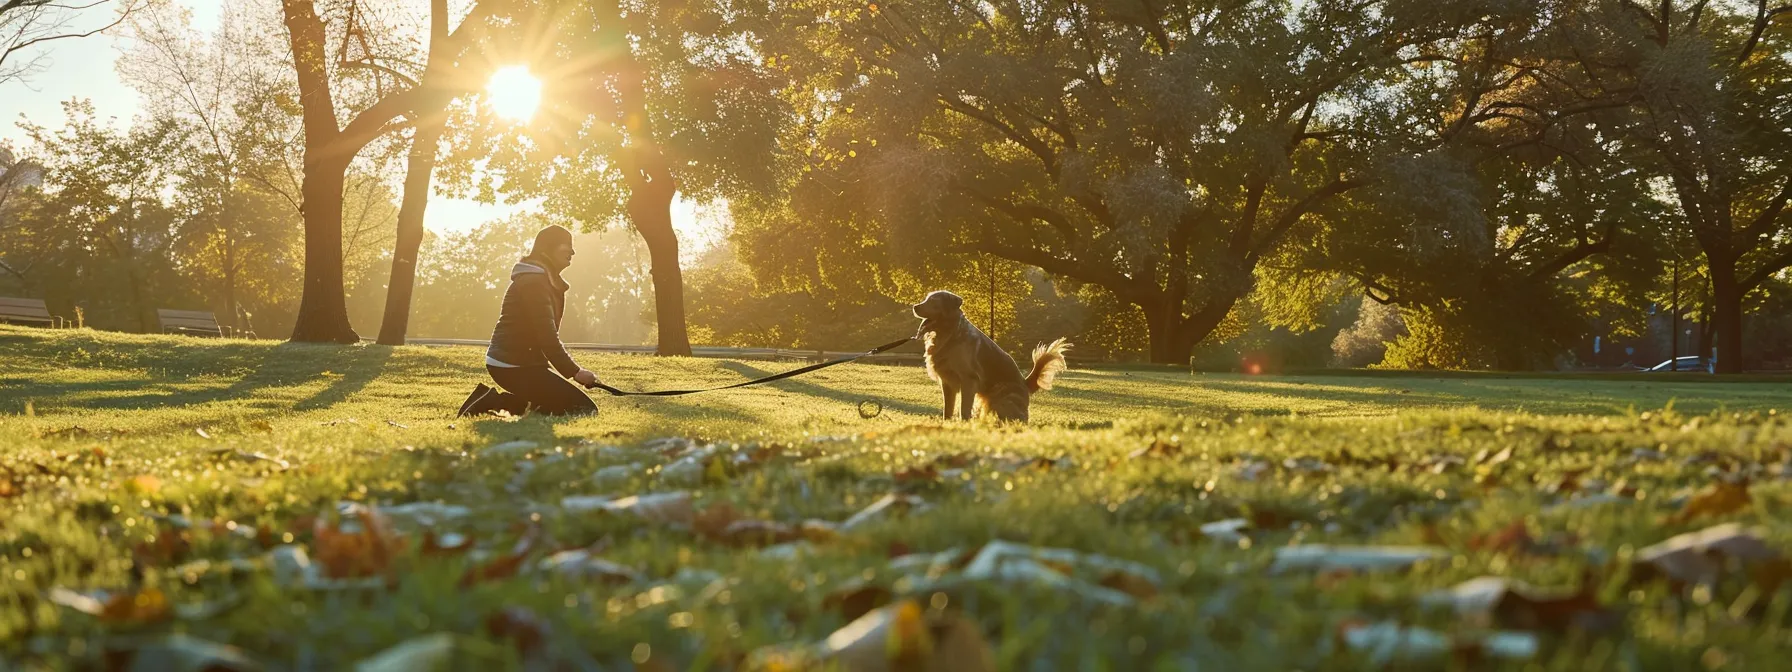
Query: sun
x,y
515,93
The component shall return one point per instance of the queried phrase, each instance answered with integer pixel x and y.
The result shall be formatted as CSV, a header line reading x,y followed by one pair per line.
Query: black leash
x,y
780,376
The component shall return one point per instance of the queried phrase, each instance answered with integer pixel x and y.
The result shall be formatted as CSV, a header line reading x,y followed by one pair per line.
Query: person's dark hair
x,y
547,238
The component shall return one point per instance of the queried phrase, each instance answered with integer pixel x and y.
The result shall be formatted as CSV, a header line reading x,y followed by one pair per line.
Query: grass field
x,y
156,493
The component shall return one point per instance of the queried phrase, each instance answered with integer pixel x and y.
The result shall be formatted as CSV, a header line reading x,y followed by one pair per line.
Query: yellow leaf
x,y
1721,499
143,484
908,639
146,606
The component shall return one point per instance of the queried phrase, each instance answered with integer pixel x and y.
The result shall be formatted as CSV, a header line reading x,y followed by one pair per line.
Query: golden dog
x,y
966,361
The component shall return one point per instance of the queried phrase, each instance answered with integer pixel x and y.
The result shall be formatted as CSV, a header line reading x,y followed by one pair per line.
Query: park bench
x,y
190,323
28,312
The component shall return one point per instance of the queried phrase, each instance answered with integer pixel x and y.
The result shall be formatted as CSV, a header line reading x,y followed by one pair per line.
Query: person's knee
x,y
575,403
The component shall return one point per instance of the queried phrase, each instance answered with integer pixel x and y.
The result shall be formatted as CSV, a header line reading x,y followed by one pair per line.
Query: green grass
x,y
83,413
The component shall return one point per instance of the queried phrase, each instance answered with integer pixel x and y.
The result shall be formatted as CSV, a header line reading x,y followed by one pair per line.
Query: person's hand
x,y
585,377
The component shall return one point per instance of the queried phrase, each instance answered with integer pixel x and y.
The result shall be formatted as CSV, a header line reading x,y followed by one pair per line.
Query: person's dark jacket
x,y
528,331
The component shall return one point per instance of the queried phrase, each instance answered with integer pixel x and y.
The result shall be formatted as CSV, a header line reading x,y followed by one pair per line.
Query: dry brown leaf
x,y
136,608
925,473
1514,538
168,546
1503,603
524,628
1158,448
369,551
854,602
507,565
1707,556
1131,584
433,546
1723,498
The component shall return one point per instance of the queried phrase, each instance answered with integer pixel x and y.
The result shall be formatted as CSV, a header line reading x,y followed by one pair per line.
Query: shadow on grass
x,y
796,386
263,367
1349,397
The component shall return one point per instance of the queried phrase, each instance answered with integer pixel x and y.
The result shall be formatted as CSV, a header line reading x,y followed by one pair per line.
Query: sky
x,y
84,68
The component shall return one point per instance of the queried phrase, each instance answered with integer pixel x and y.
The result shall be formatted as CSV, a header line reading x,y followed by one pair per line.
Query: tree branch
x,y
1771,266
1763,17
1580,251
1764,222
1300,208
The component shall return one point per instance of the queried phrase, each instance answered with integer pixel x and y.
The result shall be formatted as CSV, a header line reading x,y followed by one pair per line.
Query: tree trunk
x,y
1174,337
650,183
323,310
1726,300
650,208
232,319
420,168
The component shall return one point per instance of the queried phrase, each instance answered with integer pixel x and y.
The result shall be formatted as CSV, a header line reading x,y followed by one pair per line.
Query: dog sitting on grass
x,y
967,362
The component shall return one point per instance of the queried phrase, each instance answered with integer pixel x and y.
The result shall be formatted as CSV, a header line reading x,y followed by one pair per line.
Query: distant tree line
x,y
1397,182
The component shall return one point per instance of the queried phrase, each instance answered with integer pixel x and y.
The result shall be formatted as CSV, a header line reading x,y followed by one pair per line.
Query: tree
x,y
17,175
211,88
100,229
330,145
1710,90
25,24
645,102
1463,241
443,78
1159,151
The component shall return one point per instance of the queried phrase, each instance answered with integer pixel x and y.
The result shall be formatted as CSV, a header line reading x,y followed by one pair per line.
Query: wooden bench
x,y
29,312
190,323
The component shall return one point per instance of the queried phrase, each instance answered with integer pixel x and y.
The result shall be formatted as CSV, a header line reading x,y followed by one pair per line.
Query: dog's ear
x,y
952,301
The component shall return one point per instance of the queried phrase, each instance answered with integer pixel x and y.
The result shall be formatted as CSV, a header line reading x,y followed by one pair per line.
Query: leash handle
x,y
777,376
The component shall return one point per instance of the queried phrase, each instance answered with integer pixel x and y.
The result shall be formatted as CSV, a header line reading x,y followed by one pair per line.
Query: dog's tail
x,y
1048,360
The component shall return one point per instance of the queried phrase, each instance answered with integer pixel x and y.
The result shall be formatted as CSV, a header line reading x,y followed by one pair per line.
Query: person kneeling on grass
x,y
527,339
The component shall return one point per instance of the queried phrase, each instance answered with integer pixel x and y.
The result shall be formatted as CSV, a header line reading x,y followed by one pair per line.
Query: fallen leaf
x,y
504,566
225,454
1057,567
122,608
509,449
665,508
1355,558
853,602
1226,531
1131,584
1723,498
888,505
924,473
180,653
1387,642
368,551
584,564
523,627
615,475
1514,538
901,636
143,484
419,654
1498,602
1706,556
1158,448
443,545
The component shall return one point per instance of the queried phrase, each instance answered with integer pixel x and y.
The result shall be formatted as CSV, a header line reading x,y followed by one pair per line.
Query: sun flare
x,y
515,93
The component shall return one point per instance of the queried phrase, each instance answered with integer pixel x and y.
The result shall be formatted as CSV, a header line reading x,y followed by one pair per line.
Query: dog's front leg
x,y
969,401
951,394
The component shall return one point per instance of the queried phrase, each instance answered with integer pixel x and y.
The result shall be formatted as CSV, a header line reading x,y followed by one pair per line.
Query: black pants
x,y
540,388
